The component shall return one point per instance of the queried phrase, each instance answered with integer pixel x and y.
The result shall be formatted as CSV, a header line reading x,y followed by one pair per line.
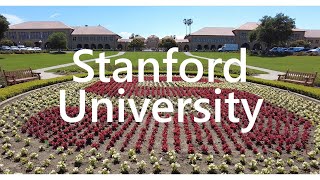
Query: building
x,y
37,32
212,38
93,37
99,37
313,36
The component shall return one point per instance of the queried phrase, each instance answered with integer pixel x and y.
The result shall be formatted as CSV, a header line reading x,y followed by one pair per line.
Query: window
x,y
317,41
74,38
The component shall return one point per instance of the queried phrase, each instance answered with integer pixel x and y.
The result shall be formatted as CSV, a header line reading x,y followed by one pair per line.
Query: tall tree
x,y
300,43
273,31
136,44
4,26
168,43
6,42
58,40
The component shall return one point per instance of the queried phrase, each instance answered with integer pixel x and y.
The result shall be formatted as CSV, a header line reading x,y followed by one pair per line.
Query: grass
x,y
36,61
309,64
134,56
294,63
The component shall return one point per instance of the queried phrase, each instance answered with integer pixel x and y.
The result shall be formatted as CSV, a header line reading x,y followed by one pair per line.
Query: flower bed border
x,y
11,91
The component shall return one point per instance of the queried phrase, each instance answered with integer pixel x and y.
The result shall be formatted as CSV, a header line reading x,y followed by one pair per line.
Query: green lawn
x,y
293,63
134,56
36,61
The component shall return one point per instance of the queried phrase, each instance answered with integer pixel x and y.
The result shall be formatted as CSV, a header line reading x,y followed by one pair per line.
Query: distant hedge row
x,y
17,89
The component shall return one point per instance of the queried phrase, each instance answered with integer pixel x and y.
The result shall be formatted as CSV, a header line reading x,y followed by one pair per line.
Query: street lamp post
x,y
40,42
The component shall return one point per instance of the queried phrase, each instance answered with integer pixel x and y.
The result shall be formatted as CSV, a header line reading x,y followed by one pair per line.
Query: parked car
x,y
295,49
316,50
14,48
37,49
21,46
5,48
29,49
278,49
229,47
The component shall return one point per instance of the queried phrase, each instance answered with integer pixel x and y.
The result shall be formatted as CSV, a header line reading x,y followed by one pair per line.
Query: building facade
x,y
37,32
212,38
91,37
99,37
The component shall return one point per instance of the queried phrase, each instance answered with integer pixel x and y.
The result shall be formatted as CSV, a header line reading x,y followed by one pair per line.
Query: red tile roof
x,y
40,25
214,31
248,26
92,30
312,34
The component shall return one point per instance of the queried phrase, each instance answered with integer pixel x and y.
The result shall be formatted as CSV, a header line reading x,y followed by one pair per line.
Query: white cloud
x,y
125,35
13,19
54,15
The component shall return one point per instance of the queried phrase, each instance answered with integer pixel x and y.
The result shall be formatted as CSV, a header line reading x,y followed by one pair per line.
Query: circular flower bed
x,y
284,139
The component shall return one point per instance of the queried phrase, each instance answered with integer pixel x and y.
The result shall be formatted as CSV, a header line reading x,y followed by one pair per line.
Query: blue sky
x,y
161,21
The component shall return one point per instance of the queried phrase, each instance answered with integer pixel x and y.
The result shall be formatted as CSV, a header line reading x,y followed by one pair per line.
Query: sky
x,y
161,21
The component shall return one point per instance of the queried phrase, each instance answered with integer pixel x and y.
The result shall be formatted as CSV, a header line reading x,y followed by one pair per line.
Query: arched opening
x,y
47,45
220,46
79,46
213,47
199,47
107,46
93,46
100,46
86,46
186,48
245,45
119,47
206,47
257,46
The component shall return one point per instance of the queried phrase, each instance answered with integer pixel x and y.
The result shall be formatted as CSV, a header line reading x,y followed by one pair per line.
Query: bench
x,y
19,76
306,79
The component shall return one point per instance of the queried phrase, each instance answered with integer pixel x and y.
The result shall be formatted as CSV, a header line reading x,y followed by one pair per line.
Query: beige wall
x,y
21,36
94,41
315,42
209,42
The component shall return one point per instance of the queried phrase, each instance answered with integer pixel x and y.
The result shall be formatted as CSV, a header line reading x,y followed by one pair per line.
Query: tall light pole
x,y
185,21
189,22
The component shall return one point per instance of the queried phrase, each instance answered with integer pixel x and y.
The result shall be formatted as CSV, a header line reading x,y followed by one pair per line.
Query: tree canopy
x,y
58,40
300,43
168,43
273,31
6,42
136,44
4,26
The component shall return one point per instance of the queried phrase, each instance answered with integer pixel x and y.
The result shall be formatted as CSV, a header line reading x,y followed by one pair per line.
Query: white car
x,y
14,48
5,48
316,50
30,49
21,46
37,49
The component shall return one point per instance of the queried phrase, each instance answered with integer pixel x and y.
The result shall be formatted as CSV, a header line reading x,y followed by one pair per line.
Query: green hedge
x,y
17,89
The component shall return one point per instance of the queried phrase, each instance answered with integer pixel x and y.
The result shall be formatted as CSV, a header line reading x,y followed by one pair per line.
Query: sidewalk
x,y
48,75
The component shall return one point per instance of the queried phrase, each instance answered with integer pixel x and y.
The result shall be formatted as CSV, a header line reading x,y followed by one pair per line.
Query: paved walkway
x,y
48,75
272,75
